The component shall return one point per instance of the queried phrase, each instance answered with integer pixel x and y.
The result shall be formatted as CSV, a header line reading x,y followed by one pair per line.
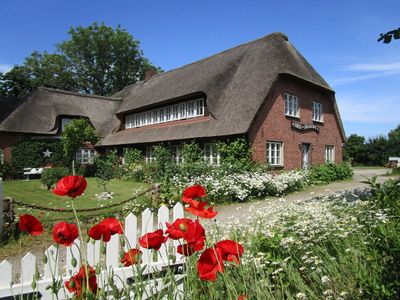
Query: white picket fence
x,y
112,260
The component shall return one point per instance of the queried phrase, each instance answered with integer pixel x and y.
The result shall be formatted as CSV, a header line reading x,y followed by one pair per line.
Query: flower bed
x,y
224,186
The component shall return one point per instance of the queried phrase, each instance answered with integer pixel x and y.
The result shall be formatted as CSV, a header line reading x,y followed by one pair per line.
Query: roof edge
x,y
52,90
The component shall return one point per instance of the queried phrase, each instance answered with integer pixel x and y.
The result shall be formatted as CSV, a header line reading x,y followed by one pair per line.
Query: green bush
x,y
5,170
106,166
51,176
235,155
133,155
329,172
29,154
87,170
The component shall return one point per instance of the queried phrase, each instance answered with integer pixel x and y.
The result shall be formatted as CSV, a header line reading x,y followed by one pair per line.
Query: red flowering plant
x,y
105,229
30,224
81,283
196,207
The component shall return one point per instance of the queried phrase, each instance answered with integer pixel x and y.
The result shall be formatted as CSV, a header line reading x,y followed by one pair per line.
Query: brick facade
x,y
271,124
6,141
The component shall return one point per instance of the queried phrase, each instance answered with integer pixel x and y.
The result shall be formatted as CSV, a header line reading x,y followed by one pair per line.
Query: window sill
x,y
319,122
293,117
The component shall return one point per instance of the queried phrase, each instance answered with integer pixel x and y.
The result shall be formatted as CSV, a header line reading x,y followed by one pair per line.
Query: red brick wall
x,y
6,141
271,124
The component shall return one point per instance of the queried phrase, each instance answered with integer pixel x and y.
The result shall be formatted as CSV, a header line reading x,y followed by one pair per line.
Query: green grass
x,y
32,192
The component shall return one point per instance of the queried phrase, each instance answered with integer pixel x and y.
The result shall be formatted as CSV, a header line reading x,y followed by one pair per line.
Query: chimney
x,y
150,73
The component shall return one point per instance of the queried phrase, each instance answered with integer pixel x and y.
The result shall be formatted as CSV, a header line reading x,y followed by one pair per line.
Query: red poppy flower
x,y
30,224
71,186
105,229
230,250
209,264
153,240
198,208
242,297
77,283
65,233
191,231
193,192
132,257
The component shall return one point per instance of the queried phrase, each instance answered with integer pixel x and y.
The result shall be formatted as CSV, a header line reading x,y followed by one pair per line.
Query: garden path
x,y
241,211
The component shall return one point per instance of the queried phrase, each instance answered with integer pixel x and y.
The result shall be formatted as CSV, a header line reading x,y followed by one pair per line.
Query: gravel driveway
x,y
241,210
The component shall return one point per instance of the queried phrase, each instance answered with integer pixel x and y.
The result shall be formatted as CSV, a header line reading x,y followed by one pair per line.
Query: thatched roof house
x,y
236,87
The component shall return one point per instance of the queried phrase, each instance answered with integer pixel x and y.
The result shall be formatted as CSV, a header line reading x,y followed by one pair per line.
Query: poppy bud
x,y
74,262
44,259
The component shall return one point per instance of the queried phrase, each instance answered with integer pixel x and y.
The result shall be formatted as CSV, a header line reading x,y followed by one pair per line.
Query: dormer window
x,y
179,111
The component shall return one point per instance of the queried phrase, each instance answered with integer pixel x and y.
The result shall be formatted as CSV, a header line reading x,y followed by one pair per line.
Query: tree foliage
x,y
373,152
76,133
97,59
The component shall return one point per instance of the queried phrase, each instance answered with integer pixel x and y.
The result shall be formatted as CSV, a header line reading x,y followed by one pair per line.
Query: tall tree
x,y
94,60
354,149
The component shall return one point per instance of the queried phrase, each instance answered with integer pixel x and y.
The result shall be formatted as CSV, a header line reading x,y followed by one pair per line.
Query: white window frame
x,y
85,155
211,154
183,110
291,105
329,153
317,112
149,157
176,153
1,156
274,153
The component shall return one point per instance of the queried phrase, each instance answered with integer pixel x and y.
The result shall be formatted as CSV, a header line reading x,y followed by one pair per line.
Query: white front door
x,y
305,156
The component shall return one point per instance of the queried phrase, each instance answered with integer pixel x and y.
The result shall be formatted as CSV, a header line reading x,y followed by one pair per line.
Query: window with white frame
x,y
211,154
85,156
149,154
176,153
291,105
1,156
275,153
317,114
180,111
329,153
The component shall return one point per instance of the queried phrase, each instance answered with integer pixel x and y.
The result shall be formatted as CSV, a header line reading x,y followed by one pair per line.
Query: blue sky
x,y
337,37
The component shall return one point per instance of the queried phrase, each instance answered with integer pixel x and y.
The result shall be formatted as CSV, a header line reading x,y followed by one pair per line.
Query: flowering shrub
x,y
224,186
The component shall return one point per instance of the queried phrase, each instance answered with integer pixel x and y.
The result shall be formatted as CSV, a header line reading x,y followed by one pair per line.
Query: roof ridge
x,y
47,89
268,36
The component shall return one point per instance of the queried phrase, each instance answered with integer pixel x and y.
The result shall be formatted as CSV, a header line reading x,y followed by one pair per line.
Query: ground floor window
x,y
329,153
1,156
274,153
211,154
85,156
149,154
176,152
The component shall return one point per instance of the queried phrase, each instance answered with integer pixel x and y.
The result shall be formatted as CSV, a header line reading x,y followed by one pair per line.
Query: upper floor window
x,y
85,156
275,153
330,153
291,105
176,152
317,114
180,111
211,154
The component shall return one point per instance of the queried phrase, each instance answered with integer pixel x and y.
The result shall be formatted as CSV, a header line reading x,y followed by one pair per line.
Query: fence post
x,y
1,208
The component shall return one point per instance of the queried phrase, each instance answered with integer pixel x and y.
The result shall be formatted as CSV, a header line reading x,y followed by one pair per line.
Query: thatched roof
x,y
8,105
235,81
41,111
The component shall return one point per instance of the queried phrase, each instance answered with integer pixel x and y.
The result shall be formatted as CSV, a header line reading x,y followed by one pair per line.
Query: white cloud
x,y
4,68
365,67
350,79
369,109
